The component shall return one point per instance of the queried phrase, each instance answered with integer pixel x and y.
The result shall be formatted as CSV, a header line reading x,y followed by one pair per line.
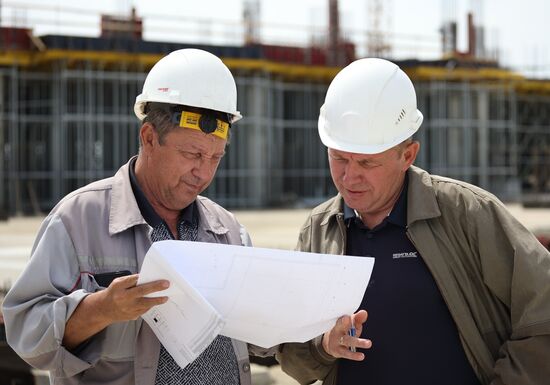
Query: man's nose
x,y
202,169
352,172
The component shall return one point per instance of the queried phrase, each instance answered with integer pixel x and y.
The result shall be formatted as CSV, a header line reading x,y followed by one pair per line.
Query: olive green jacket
x,y
492,272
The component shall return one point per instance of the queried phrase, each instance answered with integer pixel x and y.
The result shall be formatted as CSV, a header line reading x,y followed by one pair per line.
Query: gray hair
x,y
161,121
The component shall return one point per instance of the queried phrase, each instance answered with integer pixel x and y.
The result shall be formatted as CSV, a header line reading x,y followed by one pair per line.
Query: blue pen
x,y
352,334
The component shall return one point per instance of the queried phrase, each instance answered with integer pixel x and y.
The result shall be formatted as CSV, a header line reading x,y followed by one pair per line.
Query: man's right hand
x,y
337,342
123,300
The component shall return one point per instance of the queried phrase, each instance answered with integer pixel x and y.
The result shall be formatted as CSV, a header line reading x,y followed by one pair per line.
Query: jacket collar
x,y
421,199
334,209
209,222
124,212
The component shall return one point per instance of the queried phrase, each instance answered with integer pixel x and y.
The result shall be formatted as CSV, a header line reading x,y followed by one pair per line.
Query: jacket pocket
x,y
115,343
88,283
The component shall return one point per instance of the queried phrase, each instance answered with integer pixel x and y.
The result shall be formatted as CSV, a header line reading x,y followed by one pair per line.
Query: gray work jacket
x,y
98,228
492,272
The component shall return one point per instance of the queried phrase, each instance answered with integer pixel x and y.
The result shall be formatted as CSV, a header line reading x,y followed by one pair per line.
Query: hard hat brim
x,y
349,146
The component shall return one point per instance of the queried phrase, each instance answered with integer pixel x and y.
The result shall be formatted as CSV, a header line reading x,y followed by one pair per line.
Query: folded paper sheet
x,y
256,295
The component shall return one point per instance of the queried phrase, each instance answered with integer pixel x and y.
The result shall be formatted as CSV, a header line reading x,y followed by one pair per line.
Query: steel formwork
x,y
470,133
68,127
533,128
275,157
67,123
62,130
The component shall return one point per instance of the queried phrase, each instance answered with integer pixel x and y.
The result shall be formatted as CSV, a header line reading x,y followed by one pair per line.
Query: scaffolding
x,y
66,119
63,129
533,129
275,157
70,121
470,133
489,127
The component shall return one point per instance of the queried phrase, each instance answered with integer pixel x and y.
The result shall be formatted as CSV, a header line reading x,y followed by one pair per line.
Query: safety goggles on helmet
x,y
207,121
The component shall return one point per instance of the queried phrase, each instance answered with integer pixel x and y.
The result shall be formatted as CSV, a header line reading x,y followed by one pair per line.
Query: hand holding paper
x,y
261,296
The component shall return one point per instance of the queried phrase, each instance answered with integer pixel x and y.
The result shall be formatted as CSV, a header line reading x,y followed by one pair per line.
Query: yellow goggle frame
x,y
192,120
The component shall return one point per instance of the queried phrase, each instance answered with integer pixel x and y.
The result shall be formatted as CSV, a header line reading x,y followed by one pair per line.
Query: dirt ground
x,y
268,228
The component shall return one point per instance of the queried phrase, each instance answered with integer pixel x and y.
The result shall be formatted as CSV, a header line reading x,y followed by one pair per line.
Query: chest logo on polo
x,y
412,254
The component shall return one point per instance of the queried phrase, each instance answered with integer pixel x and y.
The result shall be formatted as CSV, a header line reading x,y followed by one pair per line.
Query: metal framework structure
x,y
69,121
61,130
470,133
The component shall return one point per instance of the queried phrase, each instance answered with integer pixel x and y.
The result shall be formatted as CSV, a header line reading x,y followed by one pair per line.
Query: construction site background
x,y
66,100
66,114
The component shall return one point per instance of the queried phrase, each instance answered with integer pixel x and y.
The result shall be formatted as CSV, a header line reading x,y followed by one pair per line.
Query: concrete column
x,y
3,180
483,138
257,143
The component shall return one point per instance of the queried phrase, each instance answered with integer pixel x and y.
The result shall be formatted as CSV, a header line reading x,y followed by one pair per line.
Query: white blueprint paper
x,y
187,323
257,295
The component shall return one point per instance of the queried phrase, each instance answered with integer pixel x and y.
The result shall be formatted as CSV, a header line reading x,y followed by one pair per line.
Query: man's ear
x,y
410,153
148,136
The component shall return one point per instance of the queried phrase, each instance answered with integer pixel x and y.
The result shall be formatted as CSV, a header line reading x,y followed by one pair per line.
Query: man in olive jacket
x,y
460,292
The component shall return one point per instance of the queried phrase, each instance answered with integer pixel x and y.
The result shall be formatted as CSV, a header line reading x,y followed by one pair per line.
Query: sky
x,y
515,30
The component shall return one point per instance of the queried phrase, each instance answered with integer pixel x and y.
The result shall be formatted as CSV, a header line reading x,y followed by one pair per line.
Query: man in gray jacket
x,y
460,291
75,310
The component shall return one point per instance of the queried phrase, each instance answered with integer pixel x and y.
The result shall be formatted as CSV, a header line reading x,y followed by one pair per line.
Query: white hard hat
x,y
370,107
190,77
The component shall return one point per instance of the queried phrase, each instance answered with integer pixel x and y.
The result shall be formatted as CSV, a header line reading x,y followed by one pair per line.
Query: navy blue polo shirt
x,y
415,340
